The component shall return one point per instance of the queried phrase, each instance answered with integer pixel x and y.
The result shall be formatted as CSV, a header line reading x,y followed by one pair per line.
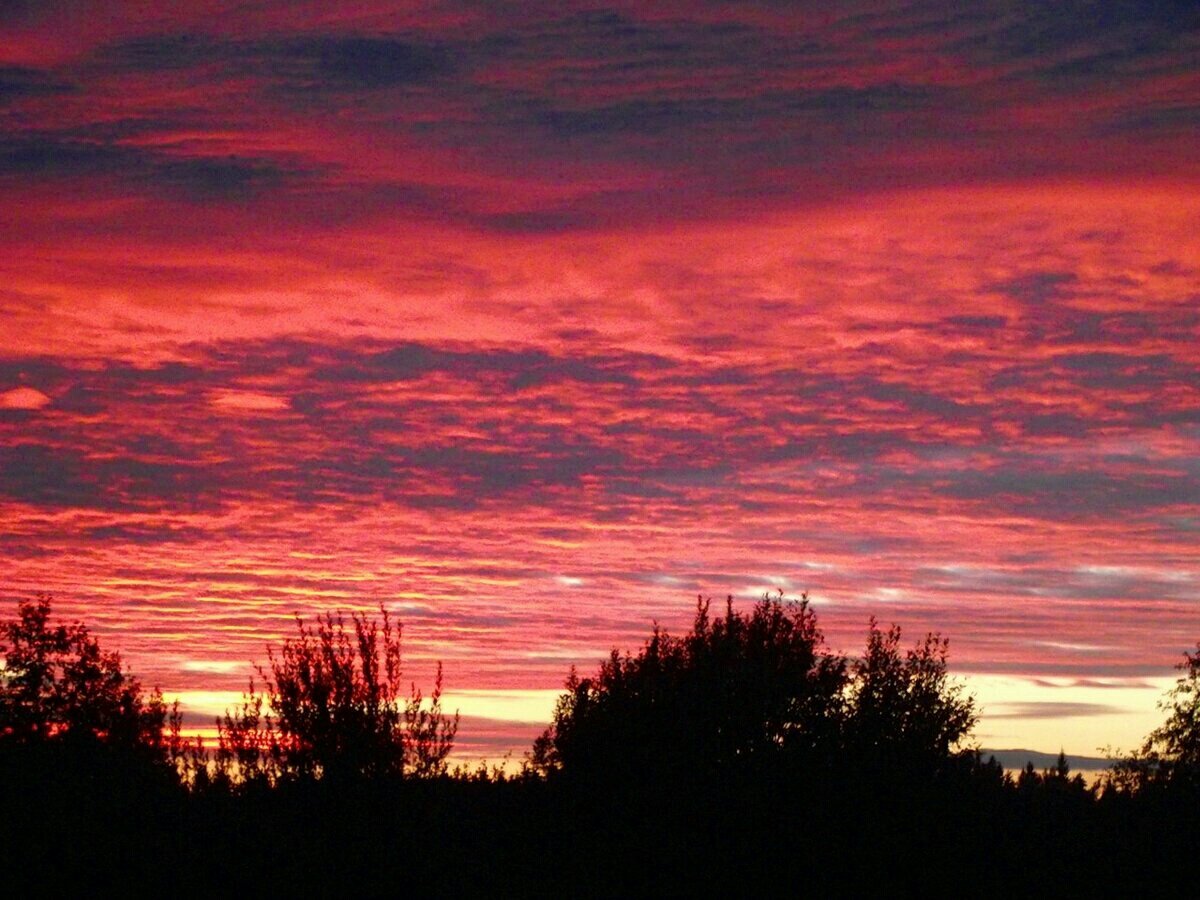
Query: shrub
x,y
333,706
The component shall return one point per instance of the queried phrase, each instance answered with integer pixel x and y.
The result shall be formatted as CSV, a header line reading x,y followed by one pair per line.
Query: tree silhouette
x,y
904,709
1061,767
733,690
1170,756
58,685
742,689
741,756
1176,743
333,706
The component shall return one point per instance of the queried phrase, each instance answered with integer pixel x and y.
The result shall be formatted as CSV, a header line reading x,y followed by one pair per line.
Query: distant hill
x,y
1016,759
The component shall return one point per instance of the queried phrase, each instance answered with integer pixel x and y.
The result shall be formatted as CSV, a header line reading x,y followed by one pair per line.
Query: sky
x,y
534,321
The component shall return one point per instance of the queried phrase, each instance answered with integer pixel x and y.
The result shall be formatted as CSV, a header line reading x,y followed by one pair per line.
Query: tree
x,y
904,709
742,689
1061,769
1170,756
333,706
58,685
734,691
1176,743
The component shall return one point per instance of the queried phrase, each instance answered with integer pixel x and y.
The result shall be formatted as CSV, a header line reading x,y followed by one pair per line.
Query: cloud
x,y
203,179
321,62
159,52
19,83
1116,684
248,401
1034,287
370,62
142,533
63,478
430,306
977,322
1179,118
1092,38
518,368
1051,710
192,178
49,156
1070,493
23,398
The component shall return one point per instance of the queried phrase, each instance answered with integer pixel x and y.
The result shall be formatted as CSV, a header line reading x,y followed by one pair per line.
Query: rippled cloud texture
x,y
533,321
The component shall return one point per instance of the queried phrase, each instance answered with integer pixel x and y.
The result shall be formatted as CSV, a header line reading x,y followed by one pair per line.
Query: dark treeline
x,y
743,757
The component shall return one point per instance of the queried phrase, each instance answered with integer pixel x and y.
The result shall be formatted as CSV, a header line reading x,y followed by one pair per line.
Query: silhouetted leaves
x,y
1170,757
333,706
742,758
732,691
903,708
57,684
760,688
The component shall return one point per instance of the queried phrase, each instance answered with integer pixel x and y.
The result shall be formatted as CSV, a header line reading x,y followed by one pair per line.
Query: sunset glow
x,y
531,322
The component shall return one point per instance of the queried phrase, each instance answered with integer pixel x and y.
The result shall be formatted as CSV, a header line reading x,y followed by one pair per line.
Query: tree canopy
x,y
903,707
1170,755
746,688
742,749
334,706
57,684
735,688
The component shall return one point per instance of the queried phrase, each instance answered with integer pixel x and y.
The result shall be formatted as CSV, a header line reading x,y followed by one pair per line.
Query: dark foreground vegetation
x,y
742,758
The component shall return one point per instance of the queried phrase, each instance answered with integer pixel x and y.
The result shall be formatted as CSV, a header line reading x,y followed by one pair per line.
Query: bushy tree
x,y
904,709
741,689
734,690
333,706
1176,743
1170,756
57,685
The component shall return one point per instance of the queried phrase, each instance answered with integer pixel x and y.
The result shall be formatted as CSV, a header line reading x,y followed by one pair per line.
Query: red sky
x,y
533,321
